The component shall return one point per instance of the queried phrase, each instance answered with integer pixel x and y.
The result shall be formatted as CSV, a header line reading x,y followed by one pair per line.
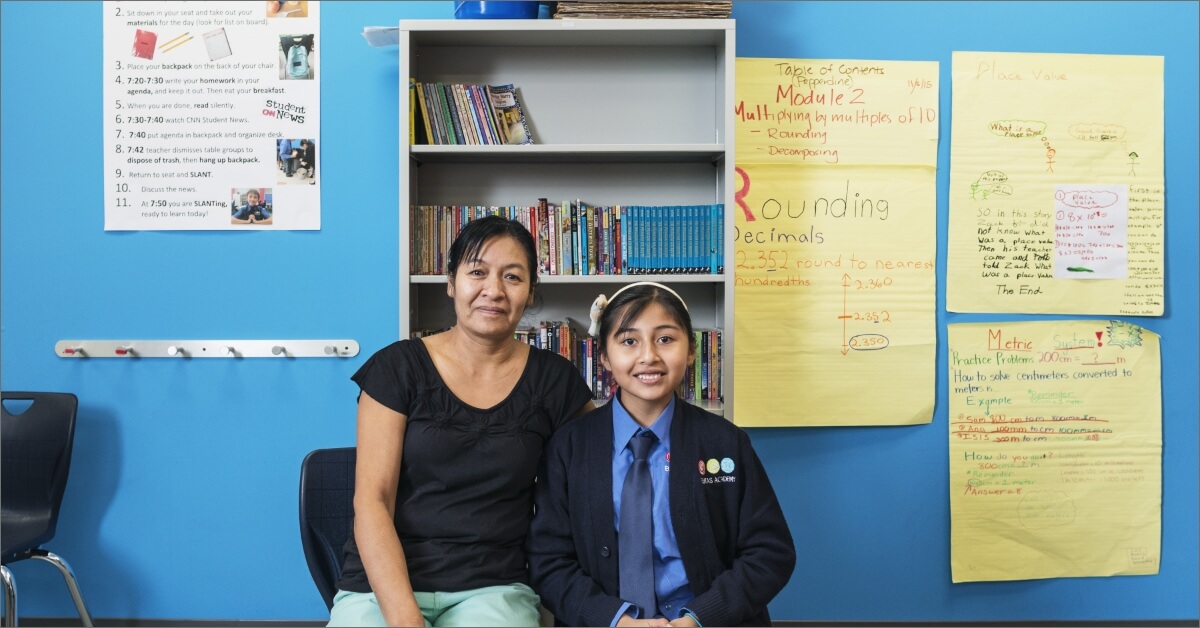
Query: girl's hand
x,y
626,620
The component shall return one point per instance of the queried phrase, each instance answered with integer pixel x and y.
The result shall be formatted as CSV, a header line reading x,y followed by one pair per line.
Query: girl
x,y
716,548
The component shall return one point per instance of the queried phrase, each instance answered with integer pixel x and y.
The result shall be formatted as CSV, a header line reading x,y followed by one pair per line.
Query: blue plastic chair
x,y
326,514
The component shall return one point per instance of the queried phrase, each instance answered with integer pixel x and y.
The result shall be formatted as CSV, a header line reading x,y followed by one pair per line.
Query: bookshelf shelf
x,y
571,153
622,112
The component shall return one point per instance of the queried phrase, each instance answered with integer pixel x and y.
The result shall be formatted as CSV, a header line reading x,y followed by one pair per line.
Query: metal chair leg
x,y
10,597
69,576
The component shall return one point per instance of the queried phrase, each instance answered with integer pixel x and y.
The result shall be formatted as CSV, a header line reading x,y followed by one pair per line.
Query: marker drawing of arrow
x,y
844,316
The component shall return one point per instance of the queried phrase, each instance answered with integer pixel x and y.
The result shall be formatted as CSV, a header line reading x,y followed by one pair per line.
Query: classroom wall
x,y
182,502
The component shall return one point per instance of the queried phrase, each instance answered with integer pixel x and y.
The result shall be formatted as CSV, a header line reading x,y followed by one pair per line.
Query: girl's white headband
x,y
602,302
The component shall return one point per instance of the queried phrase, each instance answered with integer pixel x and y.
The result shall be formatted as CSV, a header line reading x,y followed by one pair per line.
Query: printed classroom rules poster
x,y
835,242
1055,450
1056,184
212,116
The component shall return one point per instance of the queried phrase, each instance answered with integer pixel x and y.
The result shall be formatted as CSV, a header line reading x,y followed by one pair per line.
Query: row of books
x,y
576,238
701,382
466,114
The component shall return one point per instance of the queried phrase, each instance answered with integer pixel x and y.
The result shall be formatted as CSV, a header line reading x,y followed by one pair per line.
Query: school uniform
x,y
735,544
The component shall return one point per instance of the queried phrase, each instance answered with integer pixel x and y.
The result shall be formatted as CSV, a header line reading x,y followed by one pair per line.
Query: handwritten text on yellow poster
x,y
1055,450
835,242
1056,184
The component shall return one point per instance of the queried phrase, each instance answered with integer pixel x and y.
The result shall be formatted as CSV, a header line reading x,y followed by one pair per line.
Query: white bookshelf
x,y
622,112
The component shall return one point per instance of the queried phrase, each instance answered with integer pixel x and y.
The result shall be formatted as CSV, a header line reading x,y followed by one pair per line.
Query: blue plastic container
x,y
496,10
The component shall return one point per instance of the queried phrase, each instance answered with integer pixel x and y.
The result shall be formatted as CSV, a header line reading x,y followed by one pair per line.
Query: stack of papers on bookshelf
x,y
578,9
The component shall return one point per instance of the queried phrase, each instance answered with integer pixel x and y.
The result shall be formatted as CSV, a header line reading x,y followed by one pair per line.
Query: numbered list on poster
x,y
211,116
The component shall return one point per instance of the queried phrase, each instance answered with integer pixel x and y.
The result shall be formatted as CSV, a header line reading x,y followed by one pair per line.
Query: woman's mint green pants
x,y
505,605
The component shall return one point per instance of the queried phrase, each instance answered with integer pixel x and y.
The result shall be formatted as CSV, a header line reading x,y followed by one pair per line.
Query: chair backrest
x,y
326,513
35,458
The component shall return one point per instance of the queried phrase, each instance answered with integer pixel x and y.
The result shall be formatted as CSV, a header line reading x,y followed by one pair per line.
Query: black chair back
x,y
326,513
35,458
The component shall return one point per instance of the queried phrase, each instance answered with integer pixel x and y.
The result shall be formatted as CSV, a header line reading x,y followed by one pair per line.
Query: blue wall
x,y
182,500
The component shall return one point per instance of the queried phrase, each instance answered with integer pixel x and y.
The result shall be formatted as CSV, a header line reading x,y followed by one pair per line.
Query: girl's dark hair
x,y
626,306
478,232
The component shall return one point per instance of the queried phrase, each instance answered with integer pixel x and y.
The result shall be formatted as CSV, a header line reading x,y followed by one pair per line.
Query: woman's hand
x,y
409,616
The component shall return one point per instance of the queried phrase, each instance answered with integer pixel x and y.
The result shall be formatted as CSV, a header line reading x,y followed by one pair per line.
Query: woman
x,y
450,433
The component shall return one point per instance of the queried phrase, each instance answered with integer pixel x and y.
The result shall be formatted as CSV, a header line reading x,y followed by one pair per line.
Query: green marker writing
x,y
1079,269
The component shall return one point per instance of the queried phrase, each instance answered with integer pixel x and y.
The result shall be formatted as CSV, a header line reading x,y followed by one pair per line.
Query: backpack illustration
x,y
298,62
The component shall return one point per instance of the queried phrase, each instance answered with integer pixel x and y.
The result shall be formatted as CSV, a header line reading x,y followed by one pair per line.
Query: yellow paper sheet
x,y
1055,450
835,242
1056,184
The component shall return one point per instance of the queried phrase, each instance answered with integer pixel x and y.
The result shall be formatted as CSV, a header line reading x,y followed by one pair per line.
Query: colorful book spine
x,y
718,221
618,251
412,111
588,242
543,236
449,113
426,123
551,236
576,238
593,240
565,237
605,261
635,240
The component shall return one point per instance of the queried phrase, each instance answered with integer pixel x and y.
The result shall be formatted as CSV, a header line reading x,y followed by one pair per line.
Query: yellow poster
x,y
1056,184
1055,450
834,246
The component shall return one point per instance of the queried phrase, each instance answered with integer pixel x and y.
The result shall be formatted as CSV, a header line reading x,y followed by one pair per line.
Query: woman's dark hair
x,y
629,303
480,231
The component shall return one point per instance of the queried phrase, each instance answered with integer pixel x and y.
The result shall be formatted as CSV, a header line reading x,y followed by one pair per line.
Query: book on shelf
x,y
510,114
412,111
542,236
552,231
618,259
589,223
433,114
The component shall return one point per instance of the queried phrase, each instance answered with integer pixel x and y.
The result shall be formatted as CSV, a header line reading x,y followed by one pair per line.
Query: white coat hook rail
x,y
183,349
